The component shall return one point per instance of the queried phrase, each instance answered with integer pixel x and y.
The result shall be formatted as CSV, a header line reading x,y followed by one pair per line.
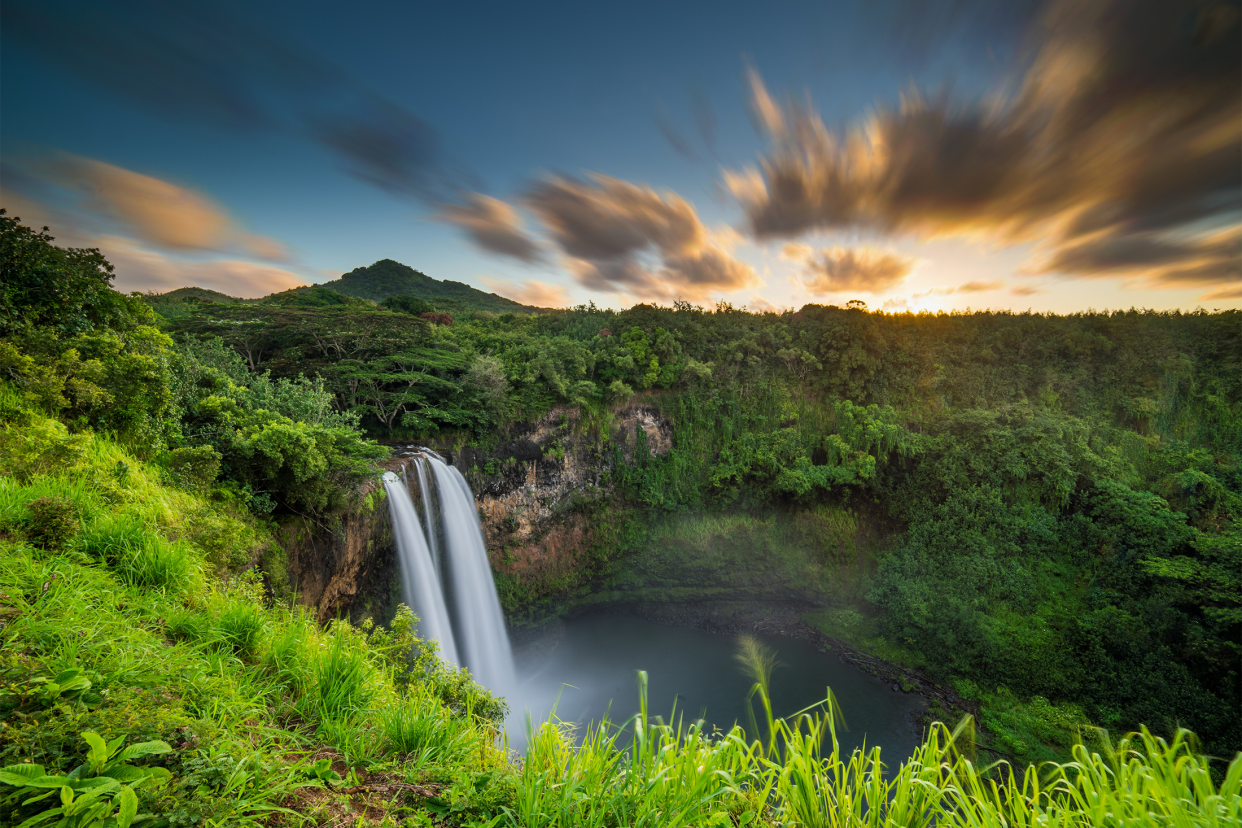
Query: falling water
x,y
481,629
433,536
418,576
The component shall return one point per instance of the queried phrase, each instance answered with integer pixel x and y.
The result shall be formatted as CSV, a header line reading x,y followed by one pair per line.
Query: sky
x,y
1051,155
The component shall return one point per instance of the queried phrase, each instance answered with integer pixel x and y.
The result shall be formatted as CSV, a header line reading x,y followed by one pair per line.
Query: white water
x,y
420,584
481,634
433,536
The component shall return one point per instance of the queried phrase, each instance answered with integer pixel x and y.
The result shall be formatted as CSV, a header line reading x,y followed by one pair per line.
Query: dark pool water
x,y
593,668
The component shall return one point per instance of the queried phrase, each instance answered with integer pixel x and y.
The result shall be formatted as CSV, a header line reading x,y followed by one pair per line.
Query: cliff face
x,y
348,570
532,489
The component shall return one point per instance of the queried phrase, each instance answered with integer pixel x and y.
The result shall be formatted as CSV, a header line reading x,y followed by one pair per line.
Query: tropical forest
x,y
816,414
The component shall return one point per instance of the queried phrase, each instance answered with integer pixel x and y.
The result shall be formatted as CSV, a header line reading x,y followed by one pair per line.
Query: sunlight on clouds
x,y
157,211
536,294
1112,158
142,269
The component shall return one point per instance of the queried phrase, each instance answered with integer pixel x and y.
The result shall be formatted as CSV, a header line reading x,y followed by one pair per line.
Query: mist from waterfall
x,y
482,637
445,573
420,584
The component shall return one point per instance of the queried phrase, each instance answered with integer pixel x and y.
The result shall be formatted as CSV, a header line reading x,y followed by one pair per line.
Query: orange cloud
x,y
536,294
1119,145
979,287
154,210
143,269
494,226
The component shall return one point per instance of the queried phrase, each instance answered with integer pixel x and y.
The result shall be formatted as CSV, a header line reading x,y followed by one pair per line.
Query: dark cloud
x,y
1119,145
605,226
200,63
606,218
494,226
863,269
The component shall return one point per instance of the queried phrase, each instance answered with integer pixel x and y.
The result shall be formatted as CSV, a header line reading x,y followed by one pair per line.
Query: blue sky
x,y
251,148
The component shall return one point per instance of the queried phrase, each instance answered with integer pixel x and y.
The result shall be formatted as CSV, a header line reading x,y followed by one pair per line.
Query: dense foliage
x,y
1057,495
1060,521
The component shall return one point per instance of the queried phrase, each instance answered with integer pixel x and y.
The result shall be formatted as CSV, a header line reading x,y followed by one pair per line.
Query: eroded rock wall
x,y
530,488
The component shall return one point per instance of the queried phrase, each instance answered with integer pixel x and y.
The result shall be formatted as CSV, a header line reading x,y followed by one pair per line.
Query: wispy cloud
x,y
1118,147
861,269
607,228
493,225
141,268
536,294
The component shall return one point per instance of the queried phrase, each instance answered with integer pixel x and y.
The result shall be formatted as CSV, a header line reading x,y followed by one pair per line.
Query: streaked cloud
x,y
536,294
143,269
1025,290
857,269
625,238
158,211
203,64
1224,294
1117,152
149,208
493,225
979,287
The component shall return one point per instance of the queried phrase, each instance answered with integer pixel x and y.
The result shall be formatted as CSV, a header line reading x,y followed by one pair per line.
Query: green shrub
x,y
52,522
194,468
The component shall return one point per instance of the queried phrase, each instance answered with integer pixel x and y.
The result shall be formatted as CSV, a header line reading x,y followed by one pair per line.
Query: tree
x,y
68,289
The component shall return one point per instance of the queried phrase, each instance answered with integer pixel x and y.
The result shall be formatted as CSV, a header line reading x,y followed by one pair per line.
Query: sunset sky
x,y
915,155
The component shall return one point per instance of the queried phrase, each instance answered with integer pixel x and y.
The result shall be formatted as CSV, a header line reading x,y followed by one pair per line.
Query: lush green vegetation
x,y
1042,508
387,278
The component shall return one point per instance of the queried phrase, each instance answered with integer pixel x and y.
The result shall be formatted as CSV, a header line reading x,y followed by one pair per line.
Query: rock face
x,y
530,488
348,570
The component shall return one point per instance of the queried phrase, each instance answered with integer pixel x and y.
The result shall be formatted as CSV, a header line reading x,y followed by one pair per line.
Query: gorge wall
x,y
536,489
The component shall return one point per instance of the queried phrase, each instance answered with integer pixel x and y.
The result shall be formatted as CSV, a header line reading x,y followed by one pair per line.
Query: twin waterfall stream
x,y
446,579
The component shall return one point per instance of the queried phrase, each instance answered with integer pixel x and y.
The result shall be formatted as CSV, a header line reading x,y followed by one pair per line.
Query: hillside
x,y
388,278
194,293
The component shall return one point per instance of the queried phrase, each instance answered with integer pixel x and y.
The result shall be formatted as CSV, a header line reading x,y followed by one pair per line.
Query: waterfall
x,y
482,636
418,576
433,536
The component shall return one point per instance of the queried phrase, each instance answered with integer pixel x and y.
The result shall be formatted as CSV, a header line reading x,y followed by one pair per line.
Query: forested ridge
x,y
1054,502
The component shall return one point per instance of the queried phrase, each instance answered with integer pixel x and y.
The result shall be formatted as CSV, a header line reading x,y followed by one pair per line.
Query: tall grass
x,y
140,555
344,681
420,731
675,776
